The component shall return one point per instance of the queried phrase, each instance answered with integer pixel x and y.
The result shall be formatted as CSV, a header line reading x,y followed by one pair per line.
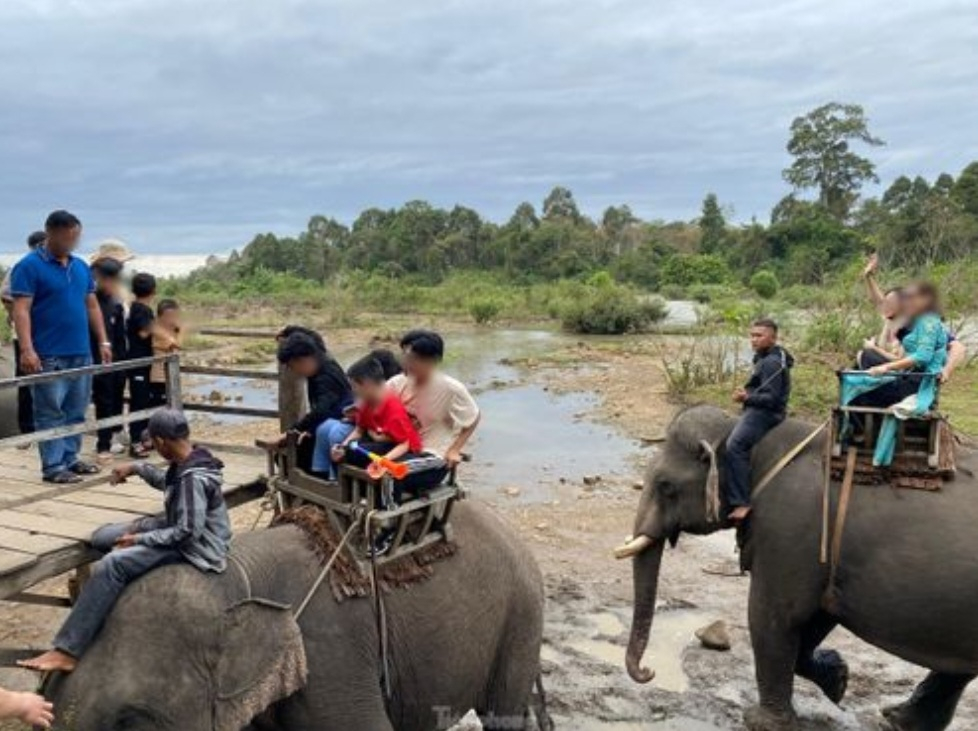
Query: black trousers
x,y
25,401
108,395
749,430
888,393
139,399
427,472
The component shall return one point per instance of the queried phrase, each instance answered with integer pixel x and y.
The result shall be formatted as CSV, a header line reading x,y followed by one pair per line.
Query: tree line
x,y
818,228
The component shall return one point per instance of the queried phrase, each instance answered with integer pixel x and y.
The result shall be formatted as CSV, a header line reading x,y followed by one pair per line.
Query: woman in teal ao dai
x,y
924,355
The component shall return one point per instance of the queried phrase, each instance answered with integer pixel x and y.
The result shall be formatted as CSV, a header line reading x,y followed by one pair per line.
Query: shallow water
x,y
529,438
602,637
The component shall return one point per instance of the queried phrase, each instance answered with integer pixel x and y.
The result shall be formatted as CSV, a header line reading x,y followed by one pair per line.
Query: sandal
x,y
138,451
84,468
64,477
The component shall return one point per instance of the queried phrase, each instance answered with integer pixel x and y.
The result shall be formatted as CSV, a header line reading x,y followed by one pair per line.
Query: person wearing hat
x,y
25,404
108,389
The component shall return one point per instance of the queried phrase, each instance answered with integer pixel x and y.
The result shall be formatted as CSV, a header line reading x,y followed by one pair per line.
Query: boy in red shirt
x,y
382,423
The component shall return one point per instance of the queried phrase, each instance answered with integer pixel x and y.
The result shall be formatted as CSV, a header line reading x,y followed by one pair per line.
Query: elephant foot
x,y
906,717
761,718
833,674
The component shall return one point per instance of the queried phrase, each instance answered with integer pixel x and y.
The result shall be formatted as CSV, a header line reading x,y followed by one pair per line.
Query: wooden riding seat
x,y
356,497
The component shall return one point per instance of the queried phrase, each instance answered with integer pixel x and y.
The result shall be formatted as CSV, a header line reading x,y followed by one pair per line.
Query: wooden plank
x,y
36,543
243,373
73,429
238,333
11,561
59,510
232,410
47,566
77,529
127,503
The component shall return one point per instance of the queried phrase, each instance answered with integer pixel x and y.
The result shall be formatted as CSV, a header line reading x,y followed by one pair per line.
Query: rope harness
x,y
361,522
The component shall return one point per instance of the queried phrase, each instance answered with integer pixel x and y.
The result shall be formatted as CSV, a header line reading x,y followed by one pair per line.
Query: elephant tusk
x,y
633,547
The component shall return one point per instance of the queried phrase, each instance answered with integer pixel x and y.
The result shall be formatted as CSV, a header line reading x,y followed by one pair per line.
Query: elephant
x,y
185,651
8,396
905,581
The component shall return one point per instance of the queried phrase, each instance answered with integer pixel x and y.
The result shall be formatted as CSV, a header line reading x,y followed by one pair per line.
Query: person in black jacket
x,y
330,394
765,403
108,389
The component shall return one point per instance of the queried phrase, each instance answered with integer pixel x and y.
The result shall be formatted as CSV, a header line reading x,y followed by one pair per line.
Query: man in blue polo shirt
x,y
54,311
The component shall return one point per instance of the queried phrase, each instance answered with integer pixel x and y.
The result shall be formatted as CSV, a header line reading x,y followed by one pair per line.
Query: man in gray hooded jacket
x,y
194,529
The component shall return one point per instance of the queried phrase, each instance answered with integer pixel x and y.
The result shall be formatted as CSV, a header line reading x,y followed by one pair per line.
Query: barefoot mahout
x,y
905,581
230,648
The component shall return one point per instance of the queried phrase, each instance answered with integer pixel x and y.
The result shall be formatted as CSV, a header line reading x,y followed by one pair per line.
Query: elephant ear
x,y
262,660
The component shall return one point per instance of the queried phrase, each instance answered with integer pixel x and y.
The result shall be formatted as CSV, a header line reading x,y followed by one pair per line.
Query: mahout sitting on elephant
x,y
187,652
904,581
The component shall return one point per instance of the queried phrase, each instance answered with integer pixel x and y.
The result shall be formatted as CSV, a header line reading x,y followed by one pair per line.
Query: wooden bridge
x,y
44,528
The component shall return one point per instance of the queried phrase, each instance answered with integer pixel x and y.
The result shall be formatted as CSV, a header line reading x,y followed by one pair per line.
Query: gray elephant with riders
x,y
827,535
181,628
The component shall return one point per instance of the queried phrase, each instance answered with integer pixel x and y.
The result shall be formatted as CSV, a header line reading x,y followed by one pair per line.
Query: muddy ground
x,y
588,608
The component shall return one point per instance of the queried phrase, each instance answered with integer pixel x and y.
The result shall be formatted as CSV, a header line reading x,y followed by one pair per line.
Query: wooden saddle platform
x,y
357,499
924,455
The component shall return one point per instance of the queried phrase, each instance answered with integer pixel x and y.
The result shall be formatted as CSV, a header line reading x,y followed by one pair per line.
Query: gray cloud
x,y
188,125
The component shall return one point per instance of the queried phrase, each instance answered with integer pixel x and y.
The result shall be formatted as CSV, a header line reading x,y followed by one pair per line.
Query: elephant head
x,y
681,493
176,655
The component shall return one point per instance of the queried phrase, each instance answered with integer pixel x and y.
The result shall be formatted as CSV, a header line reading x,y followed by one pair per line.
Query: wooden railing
x,y
291,391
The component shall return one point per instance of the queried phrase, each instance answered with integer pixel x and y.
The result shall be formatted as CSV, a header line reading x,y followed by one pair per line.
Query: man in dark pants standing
x,y
25,404
765,403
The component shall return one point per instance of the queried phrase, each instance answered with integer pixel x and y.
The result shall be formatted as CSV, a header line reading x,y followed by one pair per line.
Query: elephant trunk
x,y
646,567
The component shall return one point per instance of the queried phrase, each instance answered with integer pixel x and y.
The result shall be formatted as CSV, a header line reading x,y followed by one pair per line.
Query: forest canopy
x,y
819,228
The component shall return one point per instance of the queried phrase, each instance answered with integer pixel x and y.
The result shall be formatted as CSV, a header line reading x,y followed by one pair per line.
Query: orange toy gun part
x,y
398,470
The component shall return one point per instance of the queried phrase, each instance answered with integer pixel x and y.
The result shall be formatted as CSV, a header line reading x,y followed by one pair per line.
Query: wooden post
x,y
291,398
174,395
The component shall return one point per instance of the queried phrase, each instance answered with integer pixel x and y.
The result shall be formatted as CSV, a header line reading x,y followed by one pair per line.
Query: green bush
x,y
689,269
612,311
765,284
484,309
839,331
673,292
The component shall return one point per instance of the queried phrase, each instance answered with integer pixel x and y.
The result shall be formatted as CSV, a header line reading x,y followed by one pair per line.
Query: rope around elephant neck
x,y
325,572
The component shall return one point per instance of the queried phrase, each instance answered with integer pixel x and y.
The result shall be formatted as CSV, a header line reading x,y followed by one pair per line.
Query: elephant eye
x,y
666,489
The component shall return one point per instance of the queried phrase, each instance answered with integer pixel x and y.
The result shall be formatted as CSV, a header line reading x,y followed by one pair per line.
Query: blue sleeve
x,y
23,280
930,334
90,283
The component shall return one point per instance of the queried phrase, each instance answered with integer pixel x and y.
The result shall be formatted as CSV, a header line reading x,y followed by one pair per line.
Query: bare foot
x,y
50,661
739,515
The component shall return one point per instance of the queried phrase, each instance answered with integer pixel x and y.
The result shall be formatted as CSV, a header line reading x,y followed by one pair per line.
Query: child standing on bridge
x,y
194,530
139,330
167,339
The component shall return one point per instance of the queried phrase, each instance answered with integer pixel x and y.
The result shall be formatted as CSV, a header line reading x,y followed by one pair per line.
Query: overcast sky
x,y
186,126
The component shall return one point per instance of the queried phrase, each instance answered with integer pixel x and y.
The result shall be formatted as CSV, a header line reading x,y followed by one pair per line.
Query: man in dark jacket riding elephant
x,y
765,401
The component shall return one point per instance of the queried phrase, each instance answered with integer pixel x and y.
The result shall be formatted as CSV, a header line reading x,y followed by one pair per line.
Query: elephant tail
x,y
539,704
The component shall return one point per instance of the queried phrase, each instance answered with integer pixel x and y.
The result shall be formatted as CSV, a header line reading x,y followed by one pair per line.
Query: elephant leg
x,y
932,705
507,701
776,649
825,668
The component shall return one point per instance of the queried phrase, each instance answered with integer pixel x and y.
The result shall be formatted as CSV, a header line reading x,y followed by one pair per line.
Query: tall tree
x,y
560,204
966,189
713,226
821,143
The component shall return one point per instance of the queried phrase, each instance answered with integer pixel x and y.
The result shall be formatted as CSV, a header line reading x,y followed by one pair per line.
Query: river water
x,y
528,436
